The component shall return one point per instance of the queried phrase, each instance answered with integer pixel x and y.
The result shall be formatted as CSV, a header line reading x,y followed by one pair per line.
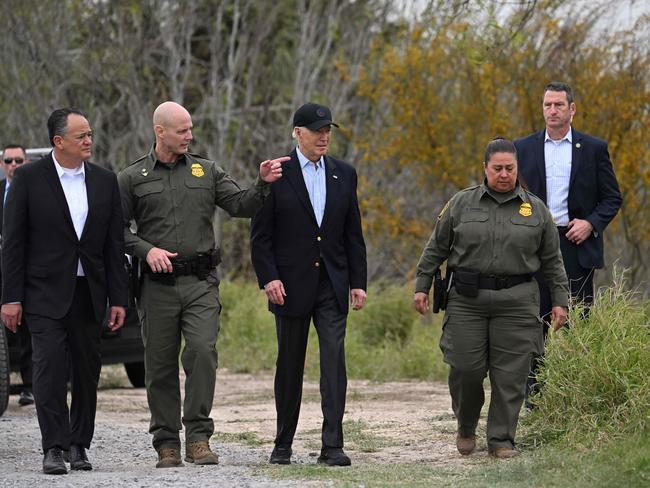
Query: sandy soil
x,y
384,422
408,420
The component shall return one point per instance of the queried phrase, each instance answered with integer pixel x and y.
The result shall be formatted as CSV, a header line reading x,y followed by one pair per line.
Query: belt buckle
x,y
500,282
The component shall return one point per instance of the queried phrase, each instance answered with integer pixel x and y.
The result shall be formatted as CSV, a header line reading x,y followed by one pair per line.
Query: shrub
x,y
385,340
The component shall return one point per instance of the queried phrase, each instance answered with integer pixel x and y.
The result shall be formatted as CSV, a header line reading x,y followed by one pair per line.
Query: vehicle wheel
x,y
4,370
135,372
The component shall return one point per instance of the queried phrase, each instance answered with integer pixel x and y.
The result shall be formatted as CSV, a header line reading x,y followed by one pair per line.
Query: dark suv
x,y
123,346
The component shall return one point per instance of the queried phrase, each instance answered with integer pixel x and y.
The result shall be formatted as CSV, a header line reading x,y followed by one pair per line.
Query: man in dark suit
x,y
62,258
309,255
13,155
572,173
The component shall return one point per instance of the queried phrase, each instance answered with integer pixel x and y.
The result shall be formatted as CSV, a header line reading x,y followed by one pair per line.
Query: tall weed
x,y
596,374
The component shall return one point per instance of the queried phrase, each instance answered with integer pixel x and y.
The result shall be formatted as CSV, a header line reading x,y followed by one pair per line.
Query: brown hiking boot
x,y
198,452
169,457
465,445
503,452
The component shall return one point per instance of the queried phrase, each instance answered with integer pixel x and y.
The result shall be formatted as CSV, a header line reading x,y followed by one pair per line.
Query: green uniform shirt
x,y
173,204
496,234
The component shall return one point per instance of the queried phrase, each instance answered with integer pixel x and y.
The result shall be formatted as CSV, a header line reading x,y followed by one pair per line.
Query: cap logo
x,y
320,112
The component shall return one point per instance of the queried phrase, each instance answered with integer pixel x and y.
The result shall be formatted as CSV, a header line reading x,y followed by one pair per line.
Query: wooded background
x,y
419,88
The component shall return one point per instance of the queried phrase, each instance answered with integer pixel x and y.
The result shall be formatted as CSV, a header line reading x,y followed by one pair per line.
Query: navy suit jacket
x,y
3,185
40,248
287,243
594,194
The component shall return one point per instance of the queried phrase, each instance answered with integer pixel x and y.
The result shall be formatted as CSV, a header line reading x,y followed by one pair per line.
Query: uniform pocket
x,y
149,187
474,215
198,182
527,233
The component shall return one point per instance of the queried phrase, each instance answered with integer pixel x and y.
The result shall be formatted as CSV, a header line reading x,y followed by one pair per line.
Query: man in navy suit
x,y
62,261
309,255
13,156
572,173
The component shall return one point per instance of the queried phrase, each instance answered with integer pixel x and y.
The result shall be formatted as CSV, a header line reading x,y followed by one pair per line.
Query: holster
x,y
135,276
439,292
206,262
467,282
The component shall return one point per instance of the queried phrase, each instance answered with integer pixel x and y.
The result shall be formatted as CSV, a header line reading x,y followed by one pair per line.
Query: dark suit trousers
x,y
292,334
581,287
78,333
26,369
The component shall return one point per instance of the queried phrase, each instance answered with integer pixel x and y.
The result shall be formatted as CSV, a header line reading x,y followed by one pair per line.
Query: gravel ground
x,y
122,456
393,422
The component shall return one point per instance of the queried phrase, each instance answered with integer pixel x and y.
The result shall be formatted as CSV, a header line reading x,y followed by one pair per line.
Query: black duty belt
x,y
181,268
493,282
200,265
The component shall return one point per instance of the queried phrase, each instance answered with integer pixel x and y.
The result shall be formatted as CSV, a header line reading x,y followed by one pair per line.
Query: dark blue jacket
x,y
594,194
287,244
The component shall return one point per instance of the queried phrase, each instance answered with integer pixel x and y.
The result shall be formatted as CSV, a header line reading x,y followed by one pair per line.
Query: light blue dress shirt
x,y
314,176
557,157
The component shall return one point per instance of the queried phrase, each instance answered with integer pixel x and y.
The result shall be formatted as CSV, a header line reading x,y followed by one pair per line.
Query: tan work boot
x,y
503,452
465,445
169,457
198,452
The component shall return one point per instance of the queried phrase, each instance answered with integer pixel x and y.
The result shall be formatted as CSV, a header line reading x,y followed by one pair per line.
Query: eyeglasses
x,y
17,160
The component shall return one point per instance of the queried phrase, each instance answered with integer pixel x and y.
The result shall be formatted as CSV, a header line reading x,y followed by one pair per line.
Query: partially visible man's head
x,y
501,165
172,124
13,155
70,135
558,106
312,127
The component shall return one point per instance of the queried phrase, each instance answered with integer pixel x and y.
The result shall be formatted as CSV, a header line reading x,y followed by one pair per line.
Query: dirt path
x,y
386,422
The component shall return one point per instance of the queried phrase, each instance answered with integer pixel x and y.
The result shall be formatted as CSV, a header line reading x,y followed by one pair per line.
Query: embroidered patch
x,y
444,209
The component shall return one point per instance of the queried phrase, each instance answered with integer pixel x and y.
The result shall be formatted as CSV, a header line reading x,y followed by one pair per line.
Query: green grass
x,y
624,463
597,376
359,436
248,438
591,427
386,340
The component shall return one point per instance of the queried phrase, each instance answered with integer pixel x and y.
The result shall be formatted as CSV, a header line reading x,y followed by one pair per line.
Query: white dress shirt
x,y
314,176
73,182
557,157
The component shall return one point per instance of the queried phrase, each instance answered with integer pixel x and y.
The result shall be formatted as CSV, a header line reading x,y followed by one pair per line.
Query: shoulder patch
x,y
444,209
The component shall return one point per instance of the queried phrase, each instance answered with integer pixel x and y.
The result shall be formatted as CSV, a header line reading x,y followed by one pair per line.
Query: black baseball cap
x,y
313,116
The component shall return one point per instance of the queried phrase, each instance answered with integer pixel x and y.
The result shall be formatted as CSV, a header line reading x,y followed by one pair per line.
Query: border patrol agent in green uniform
x,y
494,236
171,195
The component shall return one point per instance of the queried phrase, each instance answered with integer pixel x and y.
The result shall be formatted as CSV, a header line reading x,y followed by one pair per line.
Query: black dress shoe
x,y
26,398
78,458
53,462
280,455
333,456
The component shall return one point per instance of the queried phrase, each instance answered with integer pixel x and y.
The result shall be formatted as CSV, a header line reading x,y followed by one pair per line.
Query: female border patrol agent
x,y
494,236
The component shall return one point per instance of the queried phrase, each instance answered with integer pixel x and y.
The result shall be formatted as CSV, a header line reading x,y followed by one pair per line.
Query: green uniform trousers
x,y
497,332
189,309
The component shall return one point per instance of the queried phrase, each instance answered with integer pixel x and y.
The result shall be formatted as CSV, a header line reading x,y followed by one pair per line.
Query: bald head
x,y
168,113
172,124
